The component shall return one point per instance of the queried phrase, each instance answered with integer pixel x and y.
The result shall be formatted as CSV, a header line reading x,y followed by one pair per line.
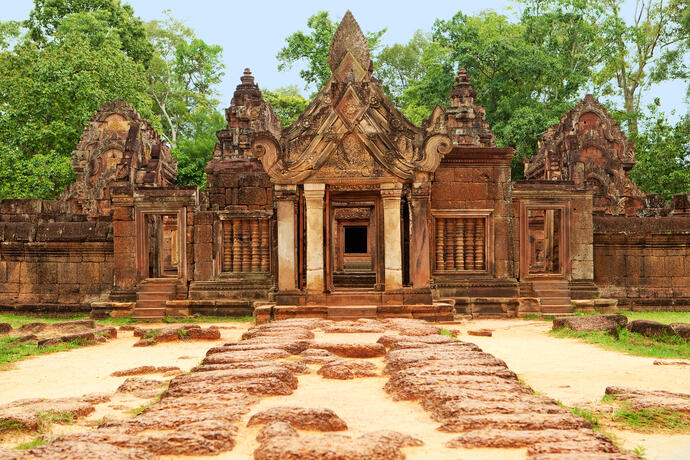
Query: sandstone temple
x,y
352,211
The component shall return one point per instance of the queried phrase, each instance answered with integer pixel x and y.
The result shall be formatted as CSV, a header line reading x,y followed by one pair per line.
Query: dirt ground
x,y
565,369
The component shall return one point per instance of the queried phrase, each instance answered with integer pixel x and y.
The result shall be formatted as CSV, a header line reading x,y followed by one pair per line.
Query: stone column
x,y
420,265
390,195
314,198
285,202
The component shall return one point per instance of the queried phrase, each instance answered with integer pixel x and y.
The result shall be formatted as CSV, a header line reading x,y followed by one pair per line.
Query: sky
x,y
252,32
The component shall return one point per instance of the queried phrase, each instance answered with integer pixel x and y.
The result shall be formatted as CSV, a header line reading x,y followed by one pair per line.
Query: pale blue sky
x,y
252,32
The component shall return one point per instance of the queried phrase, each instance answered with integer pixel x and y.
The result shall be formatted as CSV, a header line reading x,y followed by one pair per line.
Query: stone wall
x,y
51,259
643,261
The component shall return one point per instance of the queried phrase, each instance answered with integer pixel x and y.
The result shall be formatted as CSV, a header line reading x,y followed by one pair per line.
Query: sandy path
x,y
577,373
365,406
87,370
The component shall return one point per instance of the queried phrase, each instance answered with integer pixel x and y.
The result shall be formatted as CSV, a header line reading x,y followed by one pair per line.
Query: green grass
x,y
31,444
666,317
652,419
448,333
588,415
10,425
19,320
11,350
632,343
47,418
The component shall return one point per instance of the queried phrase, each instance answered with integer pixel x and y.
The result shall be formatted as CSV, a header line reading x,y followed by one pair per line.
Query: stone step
x,y
149,313
158,303
351,312
555,300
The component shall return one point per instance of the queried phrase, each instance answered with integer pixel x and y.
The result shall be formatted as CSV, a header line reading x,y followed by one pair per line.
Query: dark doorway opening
x,y
355,239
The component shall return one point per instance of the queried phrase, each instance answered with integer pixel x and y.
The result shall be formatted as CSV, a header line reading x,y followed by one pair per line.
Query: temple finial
x,y
349,37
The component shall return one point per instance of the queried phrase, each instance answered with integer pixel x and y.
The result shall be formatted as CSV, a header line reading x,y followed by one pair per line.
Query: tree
x,y
9,31
48,94
195,149
287,103
527,74
47,16
398,66
183,75
663,156
312,49
650,50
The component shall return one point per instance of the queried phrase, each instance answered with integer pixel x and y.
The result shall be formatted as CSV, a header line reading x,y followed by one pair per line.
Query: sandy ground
x,y
566,369
577,373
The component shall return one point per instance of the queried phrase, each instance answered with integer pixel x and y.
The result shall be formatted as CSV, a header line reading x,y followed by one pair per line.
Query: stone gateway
x,y
352,211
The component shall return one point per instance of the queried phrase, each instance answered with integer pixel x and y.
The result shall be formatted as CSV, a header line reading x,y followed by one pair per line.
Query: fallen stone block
x,y
347,369
650,328
352,350
301,418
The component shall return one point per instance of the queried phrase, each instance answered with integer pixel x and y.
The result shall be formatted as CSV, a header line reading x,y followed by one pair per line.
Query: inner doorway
x,y
162,248
354,255
544,233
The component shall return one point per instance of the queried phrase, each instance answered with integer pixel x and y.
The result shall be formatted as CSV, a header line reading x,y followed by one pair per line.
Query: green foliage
x,y
663,157
652,419
11,350
666,317
650,49
10,425
183,76
9,32
195,149
48,16
632,343
312,49
397,66
587,415
47,418
31,444
287,103
448,333
47,95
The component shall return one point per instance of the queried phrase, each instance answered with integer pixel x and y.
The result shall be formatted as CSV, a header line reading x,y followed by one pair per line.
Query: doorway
x,y
354,242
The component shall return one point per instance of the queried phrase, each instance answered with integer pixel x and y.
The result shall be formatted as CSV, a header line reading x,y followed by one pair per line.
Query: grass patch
x,y
666,317
588,415
632,343
31,444
182,334
19,320
10,425
11,350
536,316
448,333
47,418
651,419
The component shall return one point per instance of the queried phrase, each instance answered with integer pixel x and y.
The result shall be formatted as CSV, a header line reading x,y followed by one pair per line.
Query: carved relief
x,y
118,147
588,146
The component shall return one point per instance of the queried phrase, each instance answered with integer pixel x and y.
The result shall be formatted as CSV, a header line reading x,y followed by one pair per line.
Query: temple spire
x,y
349,37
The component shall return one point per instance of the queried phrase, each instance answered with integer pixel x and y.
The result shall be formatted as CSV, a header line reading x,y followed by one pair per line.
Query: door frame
x,y
142,253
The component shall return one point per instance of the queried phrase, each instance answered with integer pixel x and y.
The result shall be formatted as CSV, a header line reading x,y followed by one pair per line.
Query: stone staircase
x,y
153,293
554,296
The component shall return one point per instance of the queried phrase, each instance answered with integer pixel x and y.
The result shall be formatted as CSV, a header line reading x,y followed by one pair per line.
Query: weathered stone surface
x,y
348,369
481,332
295,333
650,328
414,387
378,445
352,350
292,347
293,366
5,328
352,327
414,327
646,399
671,363
245,356
317,356
389,340
275,429
25,412
301,418
69,450
458,368
681,329
530,421
587,323
453,408
499,438
425,356
143,388
141,370
253,386
233,375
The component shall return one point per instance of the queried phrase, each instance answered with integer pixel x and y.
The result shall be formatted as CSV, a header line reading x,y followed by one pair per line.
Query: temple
x,y
352,211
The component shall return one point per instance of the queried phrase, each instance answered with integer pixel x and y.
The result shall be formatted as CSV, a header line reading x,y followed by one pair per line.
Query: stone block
x,y
203,234
123,213
203,252
252,196
203,218
123,229
203,270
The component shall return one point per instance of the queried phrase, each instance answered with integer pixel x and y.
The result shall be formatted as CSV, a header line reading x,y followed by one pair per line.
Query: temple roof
x,y
350,129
